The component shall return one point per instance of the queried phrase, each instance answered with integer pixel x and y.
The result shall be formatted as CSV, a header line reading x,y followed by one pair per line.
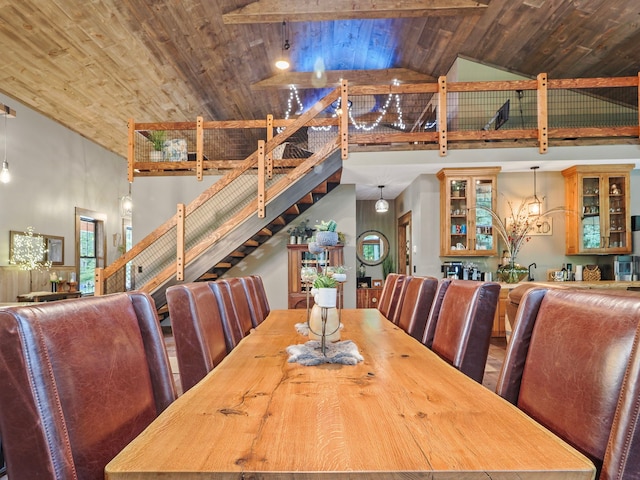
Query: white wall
x,y
53,171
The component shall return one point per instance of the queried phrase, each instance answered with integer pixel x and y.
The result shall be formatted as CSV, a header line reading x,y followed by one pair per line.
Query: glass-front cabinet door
x,y
598,216
466,225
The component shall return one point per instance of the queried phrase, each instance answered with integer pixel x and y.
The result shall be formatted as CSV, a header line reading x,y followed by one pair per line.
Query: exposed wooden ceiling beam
x,y
333,77
274,11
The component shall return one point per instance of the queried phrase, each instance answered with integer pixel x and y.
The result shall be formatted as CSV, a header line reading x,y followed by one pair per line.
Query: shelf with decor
x,y
598,216
464,229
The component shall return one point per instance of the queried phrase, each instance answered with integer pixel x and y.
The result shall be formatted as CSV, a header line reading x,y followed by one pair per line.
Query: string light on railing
x,y
398,123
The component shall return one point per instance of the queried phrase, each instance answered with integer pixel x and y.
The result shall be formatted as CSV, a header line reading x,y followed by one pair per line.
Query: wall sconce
x,y
382,205
282,63
535,205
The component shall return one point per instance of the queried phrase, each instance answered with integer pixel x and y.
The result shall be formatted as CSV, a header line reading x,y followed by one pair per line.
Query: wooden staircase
x,y
248,236
274,227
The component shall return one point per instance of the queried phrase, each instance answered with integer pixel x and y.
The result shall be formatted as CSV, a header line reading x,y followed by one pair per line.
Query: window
x,y
91,248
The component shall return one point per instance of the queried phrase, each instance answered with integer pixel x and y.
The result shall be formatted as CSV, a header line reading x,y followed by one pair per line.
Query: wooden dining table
x,y
401,413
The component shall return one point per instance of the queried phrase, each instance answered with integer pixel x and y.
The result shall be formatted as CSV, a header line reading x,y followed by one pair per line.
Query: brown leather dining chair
x,y
419,293
391,296
573,365
463,330
434,312
198,330
236,318
241,304
256,304
81,379
261,293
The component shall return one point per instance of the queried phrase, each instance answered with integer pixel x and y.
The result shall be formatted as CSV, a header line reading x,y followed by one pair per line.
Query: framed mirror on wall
x,y
46,248
372,247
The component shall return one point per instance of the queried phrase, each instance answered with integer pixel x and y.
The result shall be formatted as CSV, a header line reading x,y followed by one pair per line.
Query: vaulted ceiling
x,y
92,64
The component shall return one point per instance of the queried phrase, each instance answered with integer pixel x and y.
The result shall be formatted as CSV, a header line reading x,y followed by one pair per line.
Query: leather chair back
x,y
255,303
434,312
419,293
240,302
398,298
197,330
573,365
384,305
262,294
233,332
463,331
81,379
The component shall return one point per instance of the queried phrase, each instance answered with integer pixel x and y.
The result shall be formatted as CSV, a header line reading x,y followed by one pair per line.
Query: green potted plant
x,y
327,288
157,139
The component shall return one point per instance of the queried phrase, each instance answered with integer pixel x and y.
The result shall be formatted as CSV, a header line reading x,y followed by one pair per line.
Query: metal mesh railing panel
x,y
592,107
492,110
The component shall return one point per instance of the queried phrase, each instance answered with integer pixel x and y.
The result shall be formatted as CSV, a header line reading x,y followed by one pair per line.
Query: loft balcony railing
x,y
536,113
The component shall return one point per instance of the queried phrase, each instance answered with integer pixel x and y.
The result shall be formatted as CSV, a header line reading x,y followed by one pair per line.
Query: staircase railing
x,y
219,209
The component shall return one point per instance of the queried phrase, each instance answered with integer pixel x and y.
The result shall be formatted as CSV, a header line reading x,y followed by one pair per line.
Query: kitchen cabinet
x,y
466,230
298,257
598,218
368,297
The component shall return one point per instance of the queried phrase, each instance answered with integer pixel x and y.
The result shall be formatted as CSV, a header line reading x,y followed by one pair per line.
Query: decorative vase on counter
x,y
511,273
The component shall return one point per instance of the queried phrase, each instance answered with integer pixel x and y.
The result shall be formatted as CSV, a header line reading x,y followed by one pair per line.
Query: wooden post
x,y
131,149
269,157
99,282
638,90
543,119
442,115
199,147
180,242
261,179
344,120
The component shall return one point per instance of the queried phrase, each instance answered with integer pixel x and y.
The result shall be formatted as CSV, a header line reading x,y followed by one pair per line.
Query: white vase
x,y
340,277
156,156
332,326
326,297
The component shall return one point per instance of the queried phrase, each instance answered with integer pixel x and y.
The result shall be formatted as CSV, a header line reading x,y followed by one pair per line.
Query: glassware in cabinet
x,y
597,200
467,230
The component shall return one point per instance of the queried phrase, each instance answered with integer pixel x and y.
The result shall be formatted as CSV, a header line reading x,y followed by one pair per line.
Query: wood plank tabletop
x,y
402,413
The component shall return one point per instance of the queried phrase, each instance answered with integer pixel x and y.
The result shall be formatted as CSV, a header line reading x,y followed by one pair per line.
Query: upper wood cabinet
x,y
464,229
598,216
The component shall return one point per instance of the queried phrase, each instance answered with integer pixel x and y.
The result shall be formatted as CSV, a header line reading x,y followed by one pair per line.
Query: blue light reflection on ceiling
x,y
341,45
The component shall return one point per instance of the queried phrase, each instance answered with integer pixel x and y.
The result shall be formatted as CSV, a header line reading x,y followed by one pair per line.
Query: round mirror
x,y
372,247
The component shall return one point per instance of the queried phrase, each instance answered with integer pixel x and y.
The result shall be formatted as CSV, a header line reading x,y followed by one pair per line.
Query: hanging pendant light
x,y
5,175
282,63
535,206
126,205
382,205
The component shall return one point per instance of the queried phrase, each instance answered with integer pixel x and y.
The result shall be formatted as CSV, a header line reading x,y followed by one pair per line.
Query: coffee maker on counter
x,y
460,271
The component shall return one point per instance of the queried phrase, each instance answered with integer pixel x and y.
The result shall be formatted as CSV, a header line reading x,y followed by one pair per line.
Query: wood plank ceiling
x,y
92,64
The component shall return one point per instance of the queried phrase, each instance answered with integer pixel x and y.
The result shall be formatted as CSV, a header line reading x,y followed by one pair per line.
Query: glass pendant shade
x,y
5,176
382,205
535,206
